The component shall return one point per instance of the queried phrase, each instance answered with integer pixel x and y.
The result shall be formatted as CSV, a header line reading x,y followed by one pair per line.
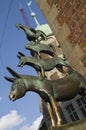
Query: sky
x,y
23,114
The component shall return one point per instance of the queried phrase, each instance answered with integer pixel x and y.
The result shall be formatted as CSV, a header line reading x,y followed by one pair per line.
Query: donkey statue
x,y
42,65
32,34
62,89
40,47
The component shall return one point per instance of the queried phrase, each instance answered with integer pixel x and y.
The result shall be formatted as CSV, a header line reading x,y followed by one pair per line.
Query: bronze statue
x,y
50,90
40,47
32,34
41,65
62,89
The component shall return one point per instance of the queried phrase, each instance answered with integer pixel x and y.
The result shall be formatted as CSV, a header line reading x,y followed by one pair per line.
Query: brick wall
x,y
68,24
67,20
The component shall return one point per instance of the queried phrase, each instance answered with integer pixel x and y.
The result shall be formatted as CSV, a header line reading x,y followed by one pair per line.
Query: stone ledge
x,y
78,125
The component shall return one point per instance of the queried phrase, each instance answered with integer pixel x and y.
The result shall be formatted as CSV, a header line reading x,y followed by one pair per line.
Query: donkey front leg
x,y
54,106
51,114
42,71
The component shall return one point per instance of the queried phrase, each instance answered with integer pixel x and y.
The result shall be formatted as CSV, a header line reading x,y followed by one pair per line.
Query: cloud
x,y
11,120
34,126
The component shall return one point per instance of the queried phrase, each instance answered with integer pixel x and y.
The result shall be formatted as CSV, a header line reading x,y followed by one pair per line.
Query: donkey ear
x,y
16,75
9,79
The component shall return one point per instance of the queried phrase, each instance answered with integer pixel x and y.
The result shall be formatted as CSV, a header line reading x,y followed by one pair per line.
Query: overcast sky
x,y
23,114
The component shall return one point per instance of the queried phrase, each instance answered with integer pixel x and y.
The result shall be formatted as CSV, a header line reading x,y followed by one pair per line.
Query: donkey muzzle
x,y
12,96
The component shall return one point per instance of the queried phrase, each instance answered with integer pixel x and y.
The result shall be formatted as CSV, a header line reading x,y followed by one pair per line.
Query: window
x,y
82,104
72,113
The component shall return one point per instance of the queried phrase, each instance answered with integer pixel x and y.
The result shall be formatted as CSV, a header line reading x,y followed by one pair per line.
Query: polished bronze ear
x,y
13,73
9,79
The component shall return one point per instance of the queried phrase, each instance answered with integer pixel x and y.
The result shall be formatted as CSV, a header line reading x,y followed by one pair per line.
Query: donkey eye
x,y
12,88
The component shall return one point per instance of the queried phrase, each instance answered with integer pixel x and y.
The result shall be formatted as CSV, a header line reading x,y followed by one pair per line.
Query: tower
x,y
33,14
24,16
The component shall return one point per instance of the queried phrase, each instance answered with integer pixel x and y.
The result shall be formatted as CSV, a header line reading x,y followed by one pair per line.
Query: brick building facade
x,y
67,19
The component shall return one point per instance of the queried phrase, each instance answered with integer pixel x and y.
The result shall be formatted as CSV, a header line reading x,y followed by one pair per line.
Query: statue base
x,y
78,125
58,128
54,128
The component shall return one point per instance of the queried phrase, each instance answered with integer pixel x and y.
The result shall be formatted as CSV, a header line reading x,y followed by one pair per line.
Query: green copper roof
x,y
45,28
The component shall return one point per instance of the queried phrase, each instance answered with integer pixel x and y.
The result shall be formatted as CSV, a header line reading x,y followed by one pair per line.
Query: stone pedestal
x,y
78,125
55,128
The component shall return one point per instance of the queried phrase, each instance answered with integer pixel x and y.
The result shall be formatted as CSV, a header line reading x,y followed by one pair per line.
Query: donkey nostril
x,y
11,96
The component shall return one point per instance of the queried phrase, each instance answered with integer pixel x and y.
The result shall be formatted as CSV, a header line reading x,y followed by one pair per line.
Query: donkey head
x,y
18,88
